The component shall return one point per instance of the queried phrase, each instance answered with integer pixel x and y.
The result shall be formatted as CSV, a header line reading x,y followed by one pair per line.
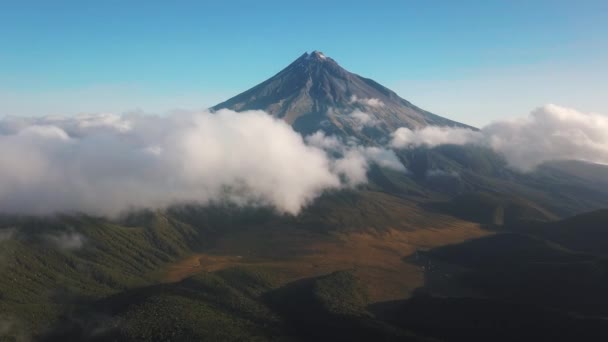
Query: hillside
x,y
587,233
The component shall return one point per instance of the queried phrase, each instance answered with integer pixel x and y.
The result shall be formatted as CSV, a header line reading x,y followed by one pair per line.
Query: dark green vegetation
x,y
50,265
233,305
333,308
221,306
84,278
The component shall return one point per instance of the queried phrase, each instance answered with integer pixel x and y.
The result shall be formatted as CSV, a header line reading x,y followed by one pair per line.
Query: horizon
x,y
67,58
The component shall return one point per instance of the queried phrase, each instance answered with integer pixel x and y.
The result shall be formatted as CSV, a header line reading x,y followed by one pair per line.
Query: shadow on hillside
x,y
504,287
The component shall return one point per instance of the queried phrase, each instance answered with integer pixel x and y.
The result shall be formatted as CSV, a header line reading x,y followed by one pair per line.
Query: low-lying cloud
x,y
432,136
106,164
354,160
362,120
67,240
548,133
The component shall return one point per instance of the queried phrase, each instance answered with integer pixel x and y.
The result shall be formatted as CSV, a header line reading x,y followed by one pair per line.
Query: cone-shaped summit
x,y
315,93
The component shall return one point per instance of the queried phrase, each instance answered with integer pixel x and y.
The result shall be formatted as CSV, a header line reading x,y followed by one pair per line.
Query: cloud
x,y
352,161
325,142
75,126
352,166
362,120
551,133
382,157
369,102
433,136
547,133
67,240
107,164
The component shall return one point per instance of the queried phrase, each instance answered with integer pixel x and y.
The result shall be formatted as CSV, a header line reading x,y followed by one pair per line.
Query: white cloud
x,y
329,143
362,120
369,102
551,133
548,133
74,126
432,136
352,166
382,157
354,160
108,164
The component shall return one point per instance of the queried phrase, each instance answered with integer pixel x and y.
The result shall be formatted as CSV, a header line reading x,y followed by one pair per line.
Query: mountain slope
x,y
315,93
585,233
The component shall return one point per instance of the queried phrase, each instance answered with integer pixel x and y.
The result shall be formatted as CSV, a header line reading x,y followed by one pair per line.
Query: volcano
x,y
315,93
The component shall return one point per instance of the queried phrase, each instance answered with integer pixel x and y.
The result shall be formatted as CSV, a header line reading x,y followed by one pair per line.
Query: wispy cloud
x,y
362,120
67,240
368,102
354,160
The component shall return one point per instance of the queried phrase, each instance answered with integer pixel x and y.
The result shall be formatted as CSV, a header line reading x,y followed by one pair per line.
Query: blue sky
x,y
474,61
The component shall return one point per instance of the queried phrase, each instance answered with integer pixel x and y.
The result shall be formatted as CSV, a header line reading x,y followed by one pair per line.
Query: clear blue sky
x,y
470,60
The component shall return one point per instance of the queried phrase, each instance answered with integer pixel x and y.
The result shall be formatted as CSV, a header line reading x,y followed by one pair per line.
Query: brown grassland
x,y
378,257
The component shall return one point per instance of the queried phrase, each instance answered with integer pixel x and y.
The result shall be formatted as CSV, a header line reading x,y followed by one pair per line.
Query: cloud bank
x,y
548,133
105,164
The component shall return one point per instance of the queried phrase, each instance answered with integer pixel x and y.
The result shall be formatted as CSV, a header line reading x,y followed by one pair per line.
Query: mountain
x,y
316,93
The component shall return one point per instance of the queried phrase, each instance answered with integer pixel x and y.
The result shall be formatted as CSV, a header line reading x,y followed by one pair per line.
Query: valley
x,y
228,272
377,258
